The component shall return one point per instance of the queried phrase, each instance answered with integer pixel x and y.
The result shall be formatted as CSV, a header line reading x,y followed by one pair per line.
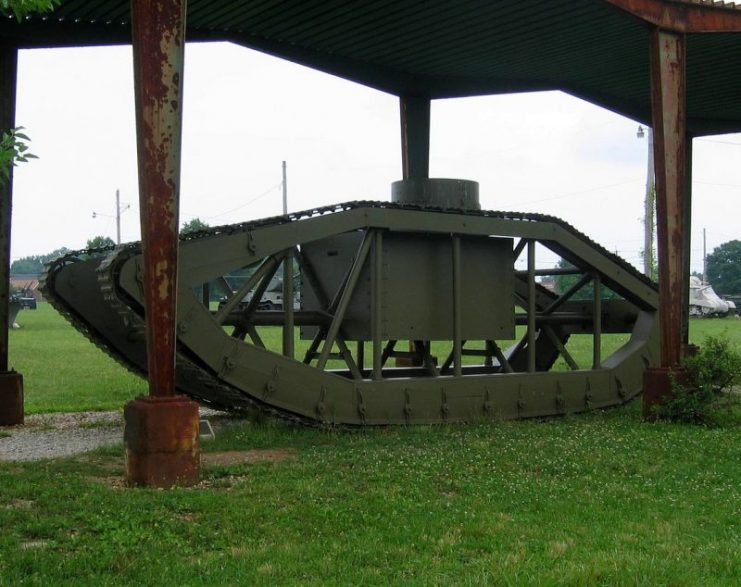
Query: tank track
x,y
193,379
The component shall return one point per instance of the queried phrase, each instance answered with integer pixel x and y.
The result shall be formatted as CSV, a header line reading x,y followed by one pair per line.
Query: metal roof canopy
x,y
441,49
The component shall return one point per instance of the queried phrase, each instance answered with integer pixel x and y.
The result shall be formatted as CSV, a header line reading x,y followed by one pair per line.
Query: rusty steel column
x,y
11,382
668,100
687,244
161,433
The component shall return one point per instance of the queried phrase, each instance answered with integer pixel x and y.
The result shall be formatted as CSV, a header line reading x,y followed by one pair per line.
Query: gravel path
x,y
48,436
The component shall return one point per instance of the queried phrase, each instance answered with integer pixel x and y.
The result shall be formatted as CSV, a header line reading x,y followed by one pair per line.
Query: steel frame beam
x,y
288,318
11,382
531,306
683,16
668,98
269,266
340,306
8,82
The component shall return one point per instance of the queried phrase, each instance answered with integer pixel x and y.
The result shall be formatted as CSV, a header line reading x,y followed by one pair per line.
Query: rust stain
x,y
683,16
158,33
668,104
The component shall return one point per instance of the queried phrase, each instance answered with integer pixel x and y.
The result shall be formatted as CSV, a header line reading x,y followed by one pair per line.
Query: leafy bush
x,y
13,150
707,396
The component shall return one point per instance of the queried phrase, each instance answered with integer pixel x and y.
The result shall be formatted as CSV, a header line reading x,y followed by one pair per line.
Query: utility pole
x,y
649,205
119,211
285,191
288,318
704,258
118,218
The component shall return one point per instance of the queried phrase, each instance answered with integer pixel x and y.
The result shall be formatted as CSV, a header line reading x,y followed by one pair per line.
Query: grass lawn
x,y
596,499
63,371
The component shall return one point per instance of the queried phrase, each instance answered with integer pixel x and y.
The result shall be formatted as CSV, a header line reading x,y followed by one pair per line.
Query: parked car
x,y
271,300
26,302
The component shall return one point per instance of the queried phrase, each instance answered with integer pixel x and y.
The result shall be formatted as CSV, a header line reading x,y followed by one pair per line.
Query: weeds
x,y
707,397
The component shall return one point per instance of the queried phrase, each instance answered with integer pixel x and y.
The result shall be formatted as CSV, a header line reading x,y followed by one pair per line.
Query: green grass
x,y
596,499
63,371
600,499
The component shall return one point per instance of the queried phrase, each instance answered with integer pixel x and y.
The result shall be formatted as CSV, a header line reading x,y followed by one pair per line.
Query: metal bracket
x,y
229,362
588,396
272,385
520,402
251,245
320,406
559,399
407,405
487,401
620,389
361,404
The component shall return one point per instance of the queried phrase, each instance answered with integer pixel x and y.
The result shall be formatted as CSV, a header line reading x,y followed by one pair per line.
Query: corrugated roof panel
x,y
440,48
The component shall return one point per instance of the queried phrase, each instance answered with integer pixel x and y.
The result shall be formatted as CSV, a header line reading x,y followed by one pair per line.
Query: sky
x,y
246,112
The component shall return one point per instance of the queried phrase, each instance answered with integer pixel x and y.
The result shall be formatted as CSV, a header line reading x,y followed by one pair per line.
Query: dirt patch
x,y
34,544
19,504
238,457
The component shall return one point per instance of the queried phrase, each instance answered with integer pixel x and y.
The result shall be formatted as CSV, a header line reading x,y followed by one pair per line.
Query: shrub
x,y
707,396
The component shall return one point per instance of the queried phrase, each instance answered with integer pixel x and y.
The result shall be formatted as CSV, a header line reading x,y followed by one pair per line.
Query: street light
x,y
649,204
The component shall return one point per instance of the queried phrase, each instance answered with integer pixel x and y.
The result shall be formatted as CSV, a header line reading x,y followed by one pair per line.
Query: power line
x,y
262,195
580,192
720,142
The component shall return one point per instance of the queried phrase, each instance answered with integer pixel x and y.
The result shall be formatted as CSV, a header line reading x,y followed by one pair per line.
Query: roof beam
x,y
685,16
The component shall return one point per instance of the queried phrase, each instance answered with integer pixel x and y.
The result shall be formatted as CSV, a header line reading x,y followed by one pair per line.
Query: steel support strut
x,y
11,383
162,430
415,137
415,160
158,69
668,100
668,90
686,249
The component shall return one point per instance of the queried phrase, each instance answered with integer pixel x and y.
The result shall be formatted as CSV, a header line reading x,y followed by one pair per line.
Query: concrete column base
x,y
11,399
161,439
657,387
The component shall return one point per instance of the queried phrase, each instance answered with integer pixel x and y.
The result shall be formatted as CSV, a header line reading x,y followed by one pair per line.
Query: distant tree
x,y
195,225
34,264
26,266
98,242
564,282
724,268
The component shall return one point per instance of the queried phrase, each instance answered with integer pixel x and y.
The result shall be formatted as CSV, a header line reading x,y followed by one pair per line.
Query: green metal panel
x,y
417,290
418,287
